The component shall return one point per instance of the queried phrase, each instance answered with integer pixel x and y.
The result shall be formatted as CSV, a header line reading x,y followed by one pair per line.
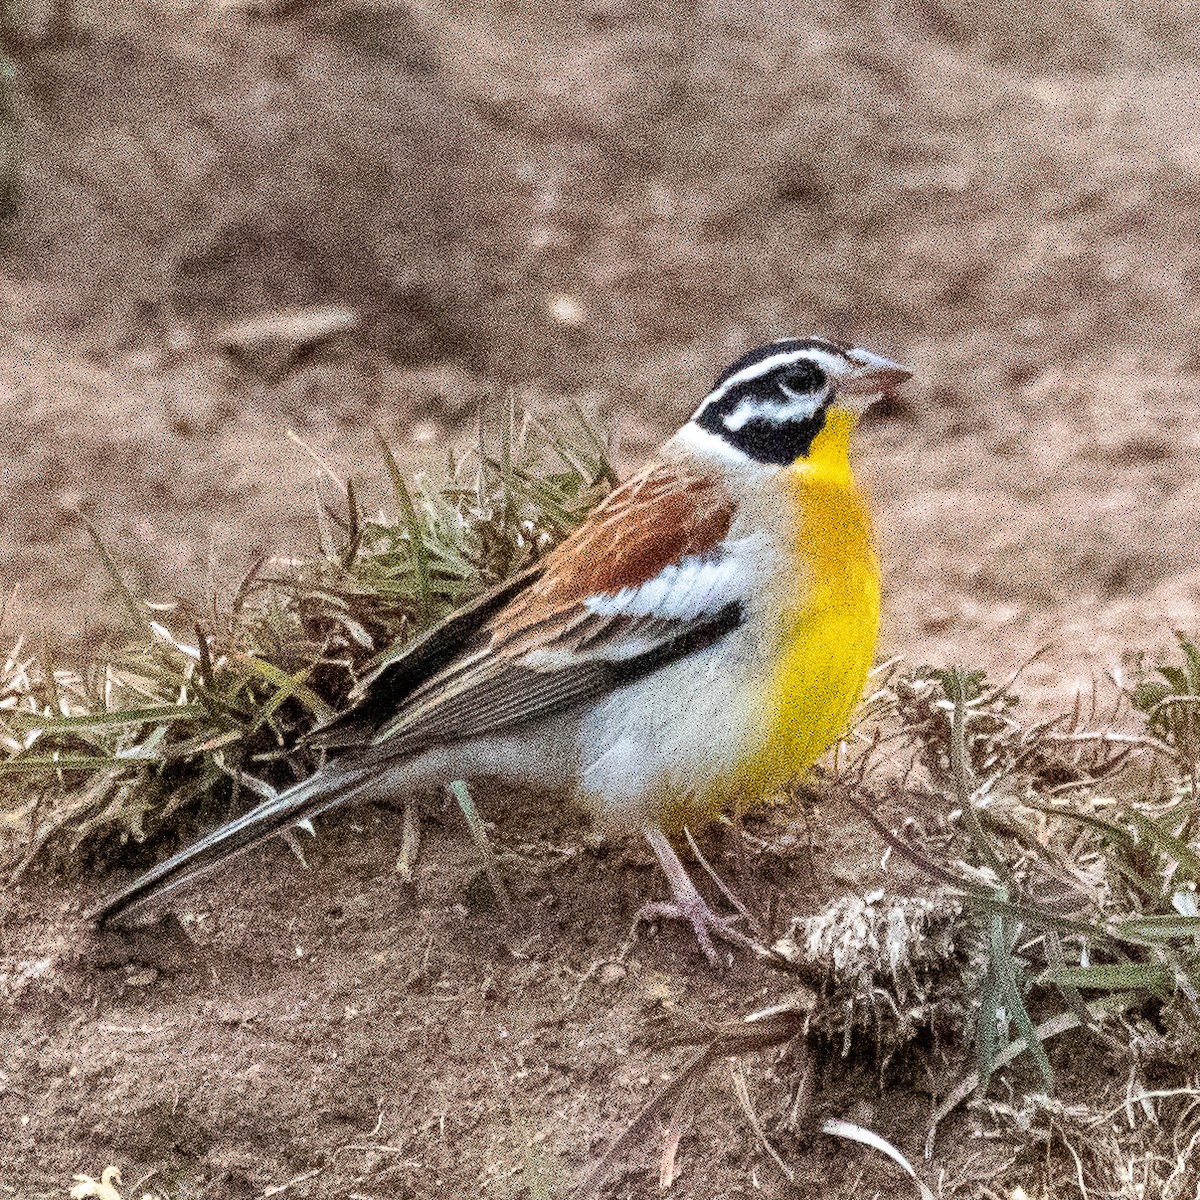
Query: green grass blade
x,y
205,665
286,686
1039,918
284,693
1191,655
959,687
1112,977
1072,995
204,744
119,719
1143,885
1010,996
24,764
139,614
50,678
1177,849
479,835
354,536
987,1042
325,533
1168,927
406,514
1109,828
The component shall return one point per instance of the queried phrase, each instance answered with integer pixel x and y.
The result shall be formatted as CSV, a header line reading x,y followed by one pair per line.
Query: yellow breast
x,y
828,618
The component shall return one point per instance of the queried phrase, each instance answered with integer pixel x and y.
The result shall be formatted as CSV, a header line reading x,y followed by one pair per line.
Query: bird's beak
x,y
873,375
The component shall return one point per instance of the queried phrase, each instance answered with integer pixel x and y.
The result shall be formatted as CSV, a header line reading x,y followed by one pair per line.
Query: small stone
x,y
567,310
268,344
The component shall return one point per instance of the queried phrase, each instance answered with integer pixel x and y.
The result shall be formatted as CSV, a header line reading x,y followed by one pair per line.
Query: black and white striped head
x,y
770,404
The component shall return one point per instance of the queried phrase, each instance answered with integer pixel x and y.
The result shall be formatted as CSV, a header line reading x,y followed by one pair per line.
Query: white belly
x,y
671,737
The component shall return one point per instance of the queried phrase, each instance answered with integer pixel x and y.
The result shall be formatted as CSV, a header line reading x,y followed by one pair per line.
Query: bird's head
x,y
773,405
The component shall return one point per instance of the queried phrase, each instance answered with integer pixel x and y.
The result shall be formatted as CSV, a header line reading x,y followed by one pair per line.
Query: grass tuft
x,y
1069,843
204,708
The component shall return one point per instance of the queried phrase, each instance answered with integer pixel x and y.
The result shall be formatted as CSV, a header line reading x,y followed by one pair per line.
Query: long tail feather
x,y
324,790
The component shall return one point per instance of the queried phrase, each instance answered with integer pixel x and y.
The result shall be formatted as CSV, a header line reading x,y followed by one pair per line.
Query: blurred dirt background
x,y
605,201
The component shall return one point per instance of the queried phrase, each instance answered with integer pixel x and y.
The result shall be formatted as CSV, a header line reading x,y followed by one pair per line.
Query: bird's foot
x,y
705,923
686,904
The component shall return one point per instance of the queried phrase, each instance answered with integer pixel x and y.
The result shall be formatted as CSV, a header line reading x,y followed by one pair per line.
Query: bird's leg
x,y
687,904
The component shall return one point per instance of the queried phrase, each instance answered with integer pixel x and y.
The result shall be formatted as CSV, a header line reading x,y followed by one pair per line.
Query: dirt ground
x,y
605,202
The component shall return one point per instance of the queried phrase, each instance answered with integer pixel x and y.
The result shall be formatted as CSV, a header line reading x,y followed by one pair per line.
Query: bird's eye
x,y
804,378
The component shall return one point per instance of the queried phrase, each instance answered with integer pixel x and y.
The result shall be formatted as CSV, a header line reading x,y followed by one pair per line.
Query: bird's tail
x,y
327,788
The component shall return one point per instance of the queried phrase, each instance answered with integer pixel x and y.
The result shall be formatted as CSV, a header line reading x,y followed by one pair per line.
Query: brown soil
x,y
1001,196
360,1037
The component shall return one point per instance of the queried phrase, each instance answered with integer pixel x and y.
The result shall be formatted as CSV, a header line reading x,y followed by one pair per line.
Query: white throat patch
x,y
703,444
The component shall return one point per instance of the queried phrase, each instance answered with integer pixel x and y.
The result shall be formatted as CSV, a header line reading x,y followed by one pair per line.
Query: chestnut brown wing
x,y
550,649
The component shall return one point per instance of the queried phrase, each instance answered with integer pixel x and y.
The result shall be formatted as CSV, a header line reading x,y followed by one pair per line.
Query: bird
x,y
699,641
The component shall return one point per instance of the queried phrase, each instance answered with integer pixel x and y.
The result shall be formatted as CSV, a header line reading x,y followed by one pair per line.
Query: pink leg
x,y
687,904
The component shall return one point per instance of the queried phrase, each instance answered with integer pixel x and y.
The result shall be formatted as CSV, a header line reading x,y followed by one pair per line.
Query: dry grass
x,y
1060,930
204,710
